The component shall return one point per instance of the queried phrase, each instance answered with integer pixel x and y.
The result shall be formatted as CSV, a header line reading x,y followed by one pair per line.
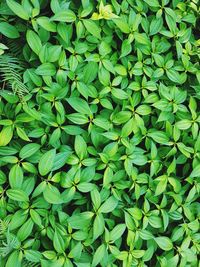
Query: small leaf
x,y
159,137
22,134
58,242
117,232
122,25
45,23
46,69
34,41
29,150
25,230
109,205
195,172
52,195
164,243
98,255
64,16
92,28
79,105
98,226
16,176
46,162
184,124
6,135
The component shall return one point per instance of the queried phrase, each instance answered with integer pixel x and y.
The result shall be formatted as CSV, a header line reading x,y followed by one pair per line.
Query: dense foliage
x,y
99,133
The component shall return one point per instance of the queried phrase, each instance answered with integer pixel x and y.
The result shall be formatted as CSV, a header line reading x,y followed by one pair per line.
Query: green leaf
x,y
159,137
136,213
80,220
92,28
164,243
109,205
25,230
161,186
122,25
141,38
35,217
120,94
122,117
195,172
14,259
32,255
45,23
117,232
96,198
98,226
98,255
22,134
8,30
184,124
156,25
126,48
46,162
17,194
174,76
46,69
6,135
143,110
17,9
16,177
85,187
58,242
34,41
80,147
79,105
138,253
152,3
52,195
64,16
78,118
29,150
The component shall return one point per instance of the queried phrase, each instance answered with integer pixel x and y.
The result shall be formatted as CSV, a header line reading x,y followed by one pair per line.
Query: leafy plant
x,y
99,133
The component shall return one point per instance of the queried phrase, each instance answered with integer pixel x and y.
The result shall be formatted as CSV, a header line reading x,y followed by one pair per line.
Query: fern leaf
x,y
11,70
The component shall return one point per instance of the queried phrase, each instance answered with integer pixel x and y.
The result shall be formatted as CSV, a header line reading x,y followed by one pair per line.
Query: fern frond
x,y
15,47
11,70
9,244
27,263
3,228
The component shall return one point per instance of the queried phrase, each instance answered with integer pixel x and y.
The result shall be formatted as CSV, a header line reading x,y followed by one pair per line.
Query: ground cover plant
x,y
99,133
